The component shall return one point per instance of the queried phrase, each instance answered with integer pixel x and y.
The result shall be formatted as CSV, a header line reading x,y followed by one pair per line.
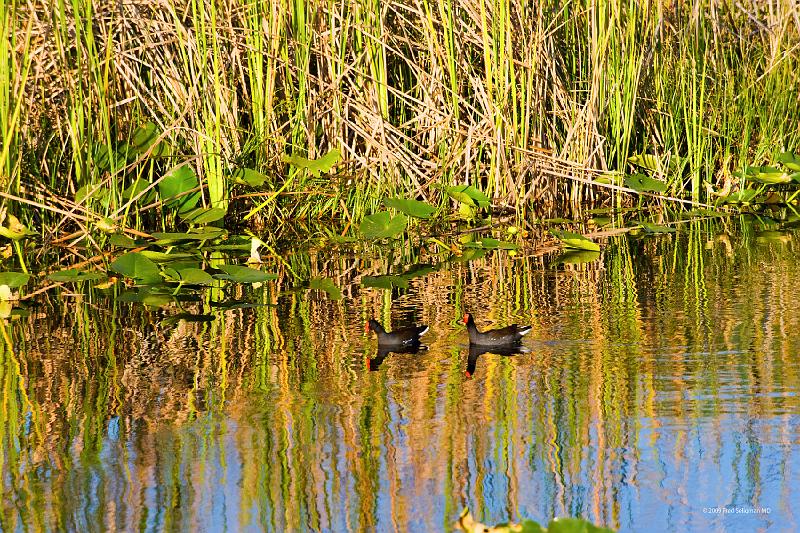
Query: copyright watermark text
x,y
737,510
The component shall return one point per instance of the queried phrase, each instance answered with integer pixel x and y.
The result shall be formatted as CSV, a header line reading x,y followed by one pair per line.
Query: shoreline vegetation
x,y
124,119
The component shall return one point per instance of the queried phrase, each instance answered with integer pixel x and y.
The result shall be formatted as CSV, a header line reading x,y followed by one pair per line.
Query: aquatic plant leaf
x,y
575,240
574,525
178,181
743,196
146,136
123,241
648,161
248,176
577,257
469,195
14,279
413,208
146,297
198,234
765,175
649,227
642,183
315,166
189,276
137,266
790,160
73,274
106,158
14,229
243,274
162,257
325,284
529,526
137,187
203,215
383,225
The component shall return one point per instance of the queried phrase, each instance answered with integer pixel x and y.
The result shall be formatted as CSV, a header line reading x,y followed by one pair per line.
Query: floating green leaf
x,y
489,243
243,274
203,215
382,225
765,175
790,160
123,241
649,227
576,257
198,234
146,136
178,182
325,284
641,183
163,257
14,279
248,176
469,195
413,208
744,196
14,229
75,275
137,266
575,240
315,166
189,276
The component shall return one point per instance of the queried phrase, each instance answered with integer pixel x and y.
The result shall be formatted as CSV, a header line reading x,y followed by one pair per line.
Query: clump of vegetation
x,y
467,523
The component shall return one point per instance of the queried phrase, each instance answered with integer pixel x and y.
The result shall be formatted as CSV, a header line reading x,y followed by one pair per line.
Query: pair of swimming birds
x,y
408,337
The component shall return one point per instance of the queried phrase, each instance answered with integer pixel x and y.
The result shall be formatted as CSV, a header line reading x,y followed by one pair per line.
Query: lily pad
x,y
203,215
75,275
327,285
243,274
163,257
315,166
743,196
642,183
248,176
765,175
790,160
413,208
178,181
14,229
469,195
382,225
577,257
137,266
189,276
14,279
199,234
649,227
146,136
575,240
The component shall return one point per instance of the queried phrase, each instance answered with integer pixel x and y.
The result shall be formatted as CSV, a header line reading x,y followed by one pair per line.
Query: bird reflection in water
x,y
475,351
384,351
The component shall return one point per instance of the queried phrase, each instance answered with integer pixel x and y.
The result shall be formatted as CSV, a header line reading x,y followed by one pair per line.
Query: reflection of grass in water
x,y
317,438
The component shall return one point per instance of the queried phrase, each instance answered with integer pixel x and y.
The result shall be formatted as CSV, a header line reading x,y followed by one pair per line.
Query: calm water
x,y
661,380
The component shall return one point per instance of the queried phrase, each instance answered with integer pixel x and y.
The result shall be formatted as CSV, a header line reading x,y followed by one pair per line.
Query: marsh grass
x,y
524,101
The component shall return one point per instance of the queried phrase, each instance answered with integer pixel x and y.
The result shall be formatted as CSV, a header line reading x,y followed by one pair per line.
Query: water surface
x,y
660,384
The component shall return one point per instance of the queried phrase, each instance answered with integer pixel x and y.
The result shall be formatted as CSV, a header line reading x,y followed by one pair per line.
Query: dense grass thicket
x,y
522,99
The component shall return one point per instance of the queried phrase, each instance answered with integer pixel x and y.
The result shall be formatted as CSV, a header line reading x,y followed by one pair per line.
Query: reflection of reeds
x,y
271,406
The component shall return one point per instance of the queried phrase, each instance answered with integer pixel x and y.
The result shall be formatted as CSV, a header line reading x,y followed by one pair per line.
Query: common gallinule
x,y
400,337
384,351
476,350
495,337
